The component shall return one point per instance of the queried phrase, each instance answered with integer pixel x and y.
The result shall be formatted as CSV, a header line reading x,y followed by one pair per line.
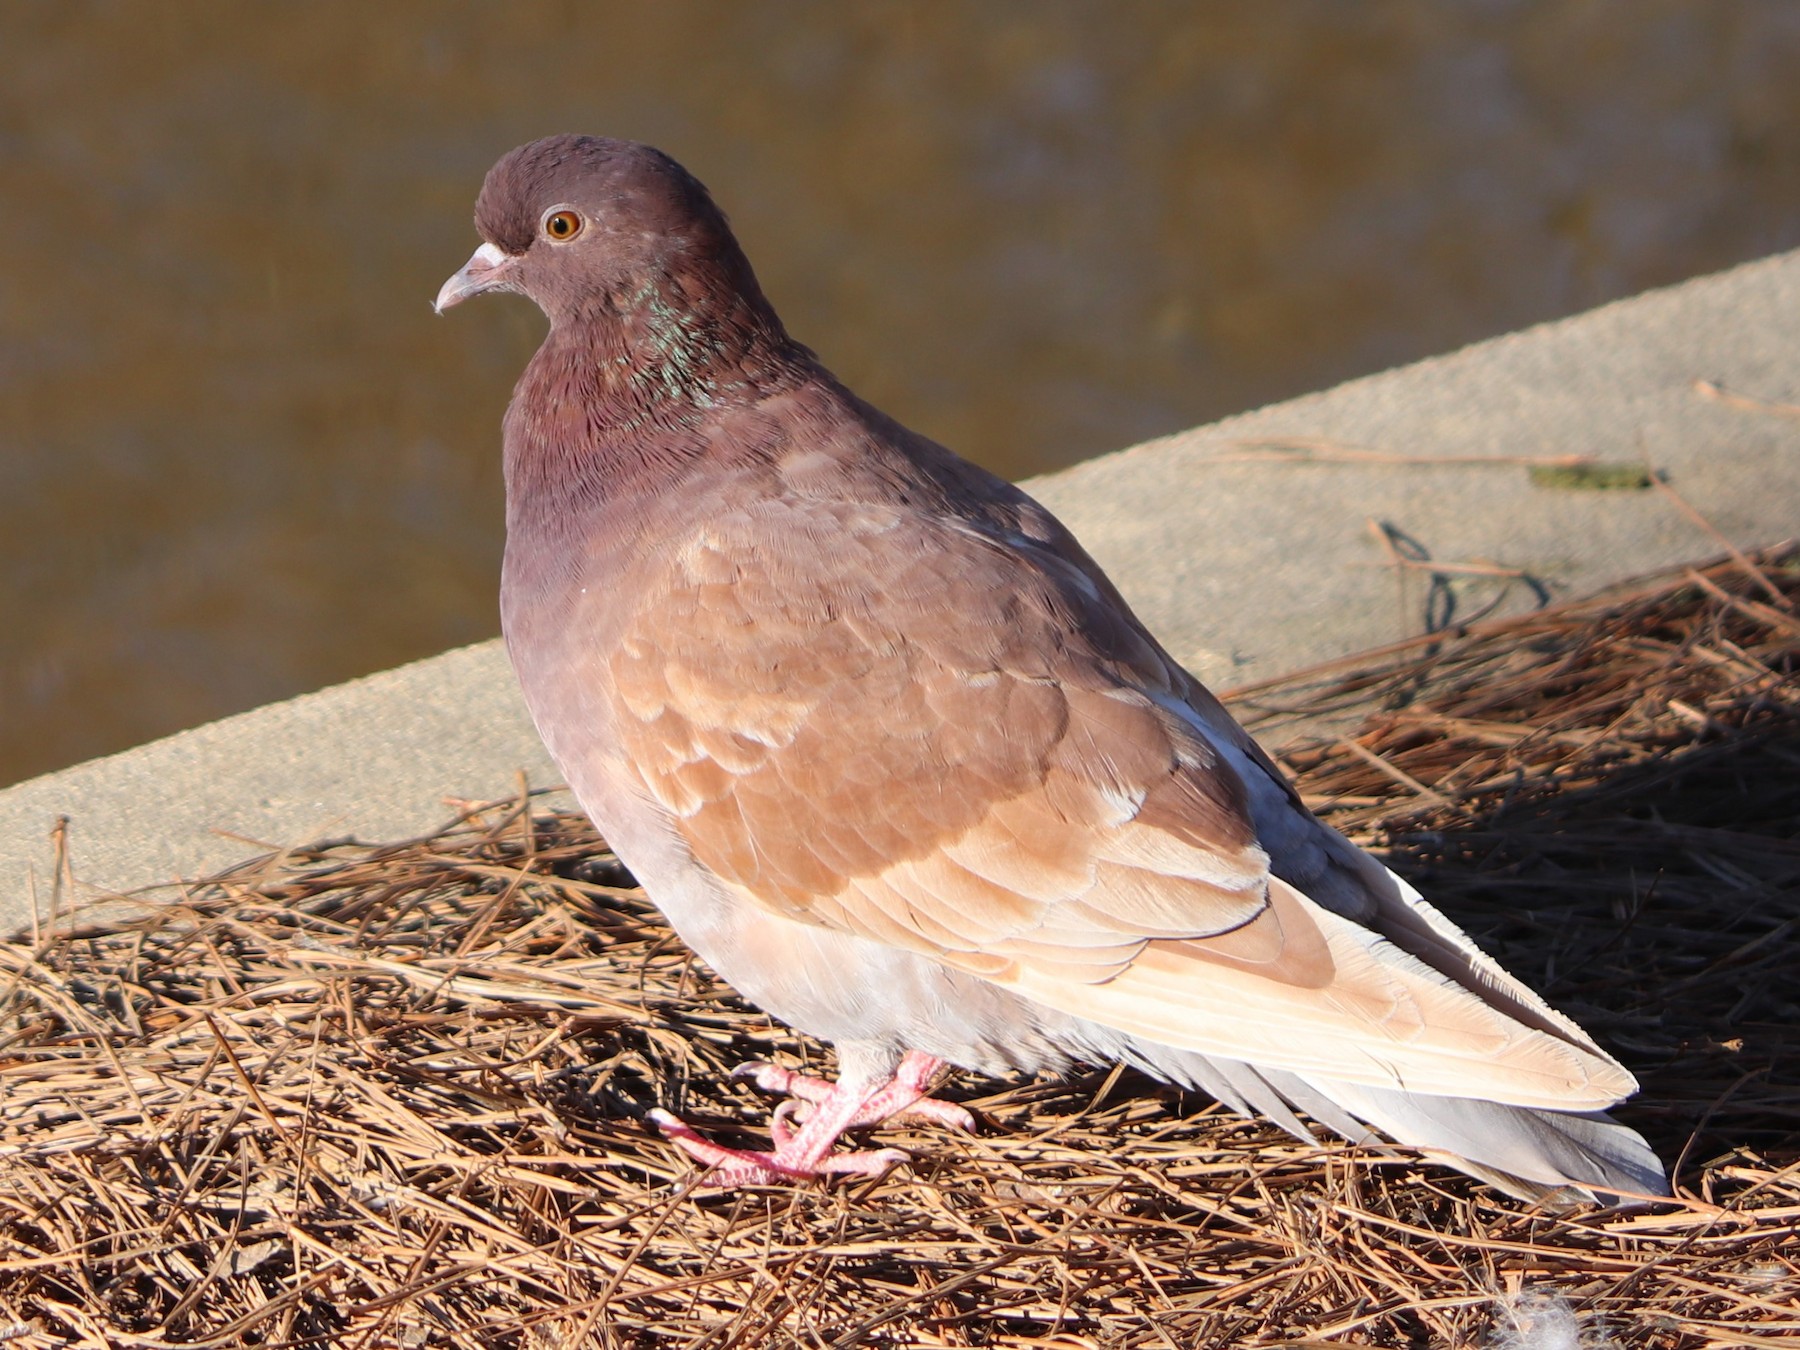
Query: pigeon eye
x,y
562,226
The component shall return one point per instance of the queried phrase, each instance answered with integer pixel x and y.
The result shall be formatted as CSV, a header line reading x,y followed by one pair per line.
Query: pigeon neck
x,y
617,398
673,347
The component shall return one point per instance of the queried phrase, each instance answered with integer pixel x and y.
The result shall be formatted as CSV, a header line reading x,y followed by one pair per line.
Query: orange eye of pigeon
x,y
562,226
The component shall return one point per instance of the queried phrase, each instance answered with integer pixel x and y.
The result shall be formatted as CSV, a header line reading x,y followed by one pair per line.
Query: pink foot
x,y
878,1108
835,1108
728,1167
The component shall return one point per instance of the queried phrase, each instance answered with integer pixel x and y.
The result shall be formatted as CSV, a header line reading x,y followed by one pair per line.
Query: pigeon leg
x,y
806,1152
902,1099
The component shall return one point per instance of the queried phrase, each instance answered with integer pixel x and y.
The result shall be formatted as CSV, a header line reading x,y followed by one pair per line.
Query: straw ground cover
x,y
393,1096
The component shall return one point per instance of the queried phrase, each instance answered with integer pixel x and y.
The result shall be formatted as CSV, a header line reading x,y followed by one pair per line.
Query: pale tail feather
x,y
1534,1154
1539,1152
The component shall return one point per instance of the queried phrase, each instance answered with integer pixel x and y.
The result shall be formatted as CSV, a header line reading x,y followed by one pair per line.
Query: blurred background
x,y
240,458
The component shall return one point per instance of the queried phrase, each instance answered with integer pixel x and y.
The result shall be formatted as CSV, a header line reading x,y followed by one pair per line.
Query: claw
x,y
779,1129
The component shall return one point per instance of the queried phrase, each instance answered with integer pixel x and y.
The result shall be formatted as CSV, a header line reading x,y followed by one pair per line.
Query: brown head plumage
x,y
585,224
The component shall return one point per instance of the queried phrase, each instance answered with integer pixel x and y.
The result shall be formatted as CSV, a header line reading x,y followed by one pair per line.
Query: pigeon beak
x,y
488,269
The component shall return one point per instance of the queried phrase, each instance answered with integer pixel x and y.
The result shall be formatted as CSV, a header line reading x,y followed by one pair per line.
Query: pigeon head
x,y
593,228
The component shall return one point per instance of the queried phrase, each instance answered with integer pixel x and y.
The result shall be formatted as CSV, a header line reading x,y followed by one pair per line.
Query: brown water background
x,y
239,457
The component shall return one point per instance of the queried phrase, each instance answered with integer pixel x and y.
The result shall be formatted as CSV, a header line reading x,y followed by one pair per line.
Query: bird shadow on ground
x,y
1659,906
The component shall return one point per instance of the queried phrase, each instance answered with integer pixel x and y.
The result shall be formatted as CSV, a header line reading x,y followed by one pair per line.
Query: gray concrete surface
x,y
1246,561
384,757
1252,569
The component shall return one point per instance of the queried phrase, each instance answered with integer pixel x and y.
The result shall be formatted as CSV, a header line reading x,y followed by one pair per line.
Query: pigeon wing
x,y
950,738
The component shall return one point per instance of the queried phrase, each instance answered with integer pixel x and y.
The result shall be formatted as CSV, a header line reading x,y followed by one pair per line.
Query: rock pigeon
x,y
897,760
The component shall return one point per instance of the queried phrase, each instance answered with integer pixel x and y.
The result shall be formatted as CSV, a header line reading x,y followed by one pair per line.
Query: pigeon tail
x,y
1556,1158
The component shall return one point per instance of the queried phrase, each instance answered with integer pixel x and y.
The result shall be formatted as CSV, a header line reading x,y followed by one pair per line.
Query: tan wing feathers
x,y
1137,903
1027,848
950,793
731,752
1382,1019
1406,918
690,786
971,843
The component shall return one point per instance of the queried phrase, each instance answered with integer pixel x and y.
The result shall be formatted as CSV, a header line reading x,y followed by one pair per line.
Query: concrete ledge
x,y
381,757
1244,569
1251,570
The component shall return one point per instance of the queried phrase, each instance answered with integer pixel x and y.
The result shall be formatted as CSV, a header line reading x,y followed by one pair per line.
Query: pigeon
x,y
895,758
